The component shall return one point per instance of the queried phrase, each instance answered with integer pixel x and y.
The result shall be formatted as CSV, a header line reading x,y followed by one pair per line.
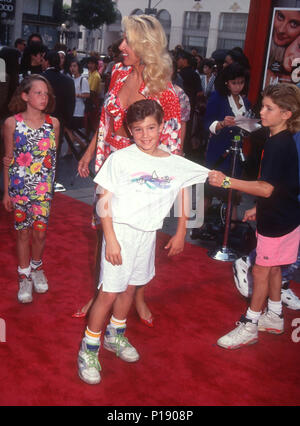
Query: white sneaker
x,y
115,341
58,187
290,300
242,274
88,363
245,334
25,289
271,322
39,279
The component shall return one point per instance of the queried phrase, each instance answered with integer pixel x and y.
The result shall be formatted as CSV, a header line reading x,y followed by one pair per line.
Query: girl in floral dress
x,y
30,137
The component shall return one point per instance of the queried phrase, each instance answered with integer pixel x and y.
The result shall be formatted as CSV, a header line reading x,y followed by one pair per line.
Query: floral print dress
x,y
32,171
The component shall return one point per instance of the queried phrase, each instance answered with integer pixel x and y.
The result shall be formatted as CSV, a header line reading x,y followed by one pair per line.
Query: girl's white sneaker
x,y
25,289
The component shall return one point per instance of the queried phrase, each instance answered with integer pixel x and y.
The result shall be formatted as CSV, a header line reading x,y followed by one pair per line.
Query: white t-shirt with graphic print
x,y
145,187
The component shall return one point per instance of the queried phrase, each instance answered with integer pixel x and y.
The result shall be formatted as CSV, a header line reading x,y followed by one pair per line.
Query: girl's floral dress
x,y
32,171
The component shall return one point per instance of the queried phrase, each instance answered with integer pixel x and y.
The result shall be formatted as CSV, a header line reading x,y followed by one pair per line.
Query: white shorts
x,y
138,260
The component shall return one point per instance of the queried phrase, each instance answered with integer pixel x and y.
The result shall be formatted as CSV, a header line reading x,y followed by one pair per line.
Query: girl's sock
x,y
115,323
24,271
92,339
275,307
253,316
35,264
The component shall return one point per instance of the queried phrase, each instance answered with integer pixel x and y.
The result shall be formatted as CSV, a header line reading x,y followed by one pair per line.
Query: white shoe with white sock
x,y
39,279
243,335
271,323
25,285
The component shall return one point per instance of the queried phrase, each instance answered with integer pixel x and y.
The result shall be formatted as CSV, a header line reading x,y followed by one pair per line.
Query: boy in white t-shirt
x,y
139,186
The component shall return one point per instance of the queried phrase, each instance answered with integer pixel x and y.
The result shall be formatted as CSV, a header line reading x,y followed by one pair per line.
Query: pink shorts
x,y
278,251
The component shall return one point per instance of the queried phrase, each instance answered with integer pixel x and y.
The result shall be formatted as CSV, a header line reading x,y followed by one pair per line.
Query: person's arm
x,y
8,134
113,248
176,243
258,188
56,127
83,165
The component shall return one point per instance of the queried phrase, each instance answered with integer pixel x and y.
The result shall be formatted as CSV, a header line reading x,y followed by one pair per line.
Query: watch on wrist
x,y
226,183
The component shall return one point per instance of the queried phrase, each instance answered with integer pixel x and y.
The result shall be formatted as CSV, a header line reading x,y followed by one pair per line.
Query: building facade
x,y
206,25
20,18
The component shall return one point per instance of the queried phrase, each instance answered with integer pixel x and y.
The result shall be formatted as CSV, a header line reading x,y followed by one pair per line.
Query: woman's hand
x,y
216,178
229,121
250,215
113,252
83,165
8,203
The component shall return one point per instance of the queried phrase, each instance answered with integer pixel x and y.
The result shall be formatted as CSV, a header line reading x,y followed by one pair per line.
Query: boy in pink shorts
x,y
277,214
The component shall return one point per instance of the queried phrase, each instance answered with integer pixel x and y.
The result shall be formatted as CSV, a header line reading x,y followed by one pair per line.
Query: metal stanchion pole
x,y
225,253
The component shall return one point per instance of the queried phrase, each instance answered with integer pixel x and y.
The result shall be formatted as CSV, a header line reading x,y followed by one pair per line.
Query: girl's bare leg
x,y
38,244
23,247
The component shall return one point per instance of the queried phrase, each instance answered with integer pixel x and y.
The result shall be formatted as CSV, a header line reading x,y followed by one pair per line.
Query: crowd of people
x,y
143,110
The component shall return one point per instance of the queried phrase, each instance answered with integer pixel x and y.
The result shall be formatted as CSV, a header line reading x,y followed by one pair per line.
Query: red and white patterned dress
x,y
112,109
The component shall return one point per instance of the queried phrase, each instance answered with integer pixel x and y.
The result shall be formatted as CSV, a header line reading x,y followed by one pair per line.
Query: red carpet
x,y
194,302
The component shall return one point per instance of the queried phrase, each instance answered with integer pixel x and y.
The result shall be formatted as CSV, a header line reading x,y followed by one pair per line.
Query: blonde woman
x,y
145,72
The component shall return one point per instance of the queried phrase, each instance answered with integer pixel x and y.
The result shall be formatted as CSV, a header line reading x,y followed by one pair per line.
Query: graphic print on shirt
x,y
152,181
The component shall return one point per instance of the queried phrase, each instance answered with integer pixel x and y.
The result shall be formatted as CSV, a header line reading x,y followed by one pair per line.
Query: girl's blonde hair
x,y
147,39
17,104
287,97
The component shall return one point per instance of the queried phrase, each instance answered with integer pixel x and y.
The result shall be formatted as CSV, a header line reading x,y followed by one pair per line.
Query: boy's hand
x,y
250,215
113,253
216,178
175,245
7,202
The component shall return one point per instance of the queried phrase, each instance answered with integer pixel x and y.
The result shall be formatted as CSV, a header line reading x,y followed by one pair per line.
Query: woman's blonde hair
x,y
287,97
17,104
147,39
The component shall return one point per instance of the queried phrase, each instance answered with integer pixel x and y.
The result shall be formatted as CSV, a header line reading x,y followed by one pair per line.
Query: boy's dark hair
x,y
35,47
19,41
183,54
53,58
79,64
143,109
93,60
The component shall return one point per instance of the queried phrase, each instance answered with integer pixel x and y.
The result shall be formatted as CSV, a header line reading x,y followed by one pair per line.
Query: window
x,y
232,30
39,7
195,31
46,7
31,7
197,21
233,22
165,19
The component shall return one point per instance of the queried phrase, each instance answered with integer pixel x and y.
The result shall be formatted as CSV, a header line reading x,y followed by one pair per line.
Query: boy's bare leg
x,y
100,310
123,303
261,278
275,284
